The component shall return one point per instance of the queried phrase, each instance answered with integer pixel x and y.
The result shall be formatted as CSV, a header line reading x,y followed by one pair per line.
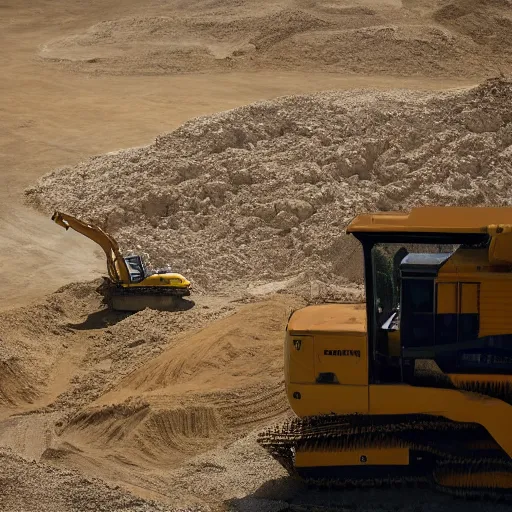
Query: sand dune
x,y
440,38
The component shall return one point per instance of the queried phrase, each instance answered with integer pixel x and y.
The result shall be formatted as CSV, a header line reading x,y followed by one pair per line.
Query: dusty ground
x,y
438,38
159,410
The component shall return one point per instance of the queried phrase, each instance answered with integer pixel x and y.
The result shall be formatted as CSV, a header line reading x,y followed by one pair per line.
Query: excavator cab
x,y
429,297
404,275
139,270
135,268
436,312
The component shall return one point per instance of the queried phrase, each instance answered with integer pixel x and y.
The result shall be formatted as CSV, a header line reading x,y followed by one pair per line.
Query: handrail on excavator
x,y
117,268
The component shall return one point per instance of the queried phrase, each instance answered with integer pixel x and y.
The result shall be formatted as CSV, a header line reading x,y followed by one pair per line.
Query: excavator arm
x,y
117,269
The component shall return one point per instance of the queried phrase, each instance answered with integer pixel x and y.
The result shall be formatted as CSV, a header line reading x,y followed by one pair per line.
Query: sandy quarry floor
x,y
159,410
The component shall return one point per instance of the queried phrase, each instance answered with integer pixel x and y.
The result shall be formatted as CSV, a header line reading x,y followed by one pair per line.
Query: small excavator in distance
x,y
414,386
130,285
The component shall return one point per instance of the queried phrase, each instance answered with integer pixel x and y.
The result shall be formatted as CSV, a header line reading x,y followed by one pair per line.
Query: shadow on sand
x,y
107,317
100,319
291,495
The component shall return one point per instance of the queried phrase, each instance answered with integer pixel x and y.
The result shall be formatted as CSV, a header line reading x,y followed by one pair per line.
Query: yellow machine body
x,y
325,339
372,385
130,285
313,347
169,280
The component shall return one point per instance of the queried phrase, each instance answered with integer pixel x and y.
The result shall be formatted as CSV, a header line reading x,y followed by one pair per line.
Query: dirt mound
x,y
117,344
488,24
217,358
205,387
15,386
130,398
29,435
369,39
262,193
31,486
175,44
167,435
409,50
67,350
33,340
187,430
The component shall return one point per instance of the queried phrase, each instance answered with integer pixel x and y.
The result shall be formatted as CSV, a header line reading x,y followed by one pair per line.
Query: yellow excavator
x,y
414,386
131,285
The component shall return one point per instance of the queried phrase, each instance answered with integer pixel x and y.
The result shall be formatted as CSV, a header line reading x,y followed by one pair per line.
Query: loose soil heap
x,y
262,193
32,487
133,399
438,38
68,350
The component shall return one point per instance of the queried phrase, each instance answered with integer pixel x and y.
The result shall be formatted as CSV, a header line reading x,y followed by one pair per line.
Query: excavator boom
x,y
117,269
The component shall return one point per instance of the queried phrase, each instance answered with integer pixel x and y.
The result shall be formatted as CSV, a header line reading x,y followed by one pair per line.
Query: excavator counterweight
x,y
130,285
414,386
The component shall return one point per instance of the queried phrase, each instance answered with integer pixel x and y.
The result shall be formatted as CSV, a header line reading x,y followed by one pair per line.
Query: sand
x,y
263,193
151,418
242,178
132,404
445,39
61,490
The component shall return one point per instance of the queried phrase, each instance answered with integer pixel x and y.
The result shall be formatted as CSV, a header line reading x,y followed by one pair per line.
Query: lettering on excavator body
x,y
354,353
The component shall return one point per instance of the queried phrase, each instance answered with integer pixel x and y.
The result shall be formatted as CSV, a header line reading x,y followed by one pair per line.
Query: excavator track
x,y
137,298
449,461
153,291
